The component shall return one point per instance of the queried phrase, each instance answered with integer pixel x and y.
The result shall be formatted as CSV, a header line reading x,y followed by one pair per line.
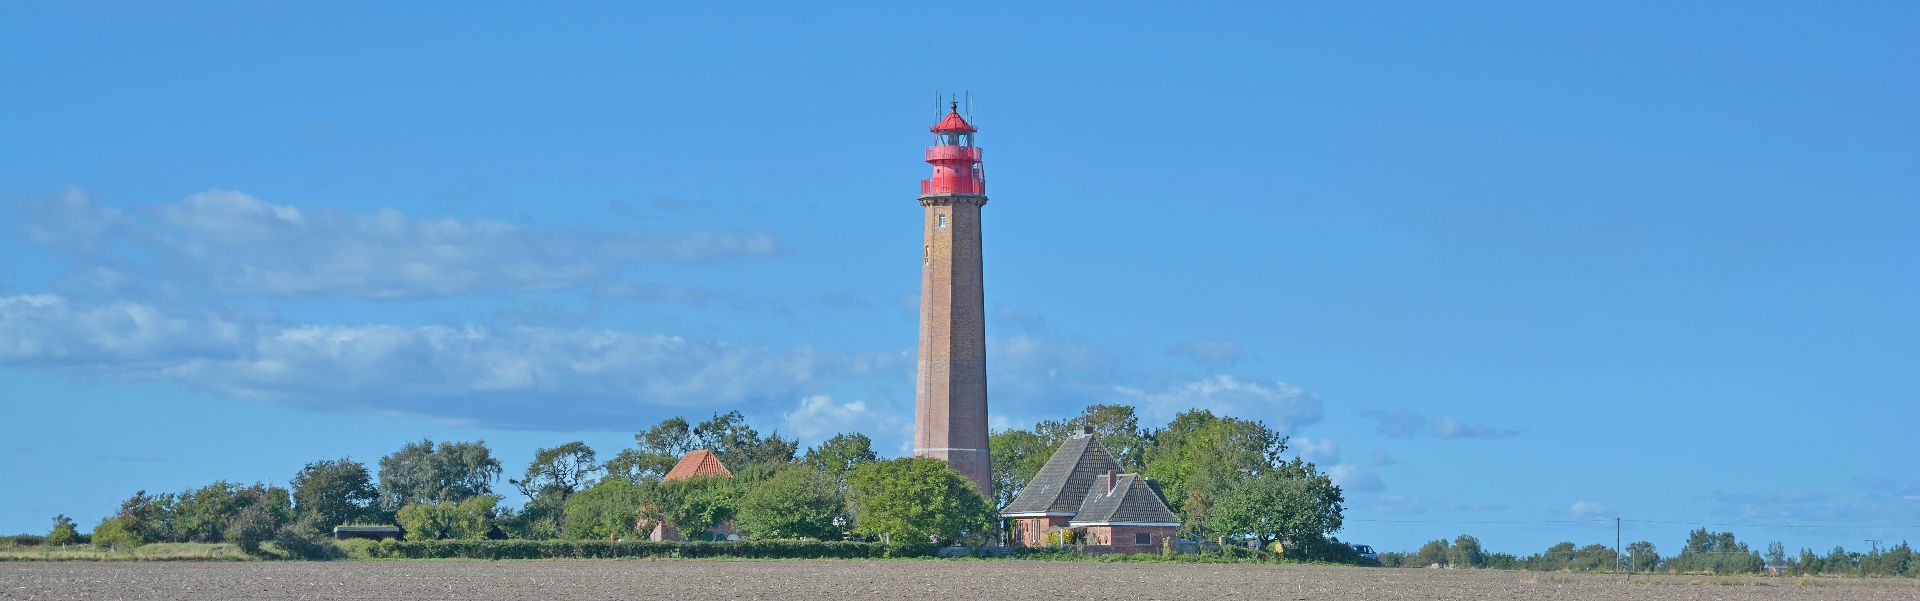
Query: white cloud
x,y
1355,478
818,418
235,243
1401,423
1317,450
1447,427
1383,458
1867,499
1035,377
1283,406
49,329
1581,510
513,377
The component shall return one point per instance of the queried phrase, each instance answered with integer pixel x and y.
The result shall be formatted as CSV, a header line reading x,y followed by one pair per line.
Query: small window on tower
x,y
943,220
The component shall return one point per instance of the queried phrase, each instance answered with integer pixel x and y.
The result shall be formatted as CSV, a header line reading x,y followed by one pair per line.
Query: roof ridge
x,y
1131,494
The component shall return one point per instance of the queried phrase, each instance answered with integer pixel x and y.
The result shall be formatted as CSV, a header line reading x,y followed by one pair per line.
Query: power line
x,y
1630,520
1595,520
1740,525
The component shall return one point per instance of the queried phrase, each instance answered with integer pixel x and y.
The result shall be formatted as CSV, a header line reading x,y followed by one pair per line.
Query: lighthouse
x,y
950,399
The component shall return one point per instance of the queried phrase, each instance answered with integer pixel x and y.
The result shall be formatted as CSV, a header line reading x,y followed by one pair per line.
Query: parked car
x,y
1366,554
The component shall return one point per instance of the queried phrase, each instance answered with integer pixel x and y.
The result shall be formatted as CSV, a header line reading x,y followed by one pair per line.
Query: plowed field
x,y
904,579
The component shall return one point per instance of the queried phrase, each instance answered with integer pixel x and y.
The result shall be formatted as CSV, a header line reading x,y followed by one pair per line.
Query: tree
x,y
147,517
796,502
1437,552
63,532
263,510
554,475
839,455
915,499
740,446
336,492
303,539
113,533
1016,455
201,515
1642,555
1594,558
693,505
450,472
1718,553
605,511
1199,455
205,514
1293,503
470,518
252,526
1466,552
1503,561
1116,425
1776,554
659,448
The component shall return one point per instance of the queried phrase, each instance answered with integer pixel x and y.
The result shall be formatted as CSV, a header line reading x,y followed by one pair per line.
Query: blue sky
x,y
1486,262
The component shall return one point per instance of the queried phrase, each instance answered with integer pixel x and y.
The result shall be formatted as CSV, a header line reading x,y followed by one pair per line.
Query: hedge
x,y
600,549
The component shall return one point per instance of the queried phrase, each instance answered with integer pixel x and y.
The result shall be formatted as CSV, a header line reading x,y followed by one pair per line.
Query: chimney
x,y
1086,430
1113,479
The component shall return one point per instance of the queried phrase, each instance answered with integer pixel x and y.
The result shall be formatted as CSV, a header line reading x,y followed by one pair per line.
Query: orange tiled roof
x,y
700,462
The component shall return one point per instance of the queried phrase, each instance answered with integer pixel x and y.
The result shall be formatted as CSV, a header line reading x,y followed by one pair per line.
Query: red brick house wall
x,y
1126,539
1032,532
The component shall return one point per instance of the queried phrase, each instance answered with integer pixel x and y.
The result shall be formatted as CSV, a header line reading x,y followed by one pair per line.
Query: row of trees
x,y
1223,476
446,491
1704,552
837,489
247,515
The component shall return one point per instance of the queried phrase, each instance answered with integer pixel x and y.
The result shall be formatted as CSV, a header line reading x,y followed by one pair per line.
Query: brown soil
x,y
923,579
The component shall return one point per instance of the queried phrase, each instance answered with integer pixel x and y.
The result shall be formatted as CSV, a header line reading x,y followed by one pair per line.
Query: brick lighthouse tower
x,y
950,410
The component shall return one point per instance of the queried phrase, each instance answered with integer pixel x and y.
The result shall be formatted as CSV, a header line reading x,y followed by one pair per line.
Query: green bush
x,y
1329,550
113,533
605,511
468,519
254,525
599,549
63,532
25,540
302,539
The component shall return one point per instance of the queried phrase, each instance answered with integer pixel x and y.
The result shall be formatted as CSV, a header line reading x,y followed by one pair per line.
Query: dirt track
x,y
1036,580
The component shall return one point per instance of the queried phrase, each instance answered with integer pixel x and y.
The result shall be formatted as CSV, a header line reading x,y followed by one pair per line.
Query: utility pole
x,y
1616,545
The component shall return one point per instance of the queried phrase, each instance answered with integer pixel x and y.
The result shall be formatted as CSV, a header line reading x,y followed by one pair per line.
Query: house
x,y
1082,490
700,462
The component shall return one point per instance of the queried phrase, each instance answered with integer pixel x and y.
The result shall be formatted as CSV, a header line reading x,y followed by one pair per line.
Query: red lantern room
x,y
956,161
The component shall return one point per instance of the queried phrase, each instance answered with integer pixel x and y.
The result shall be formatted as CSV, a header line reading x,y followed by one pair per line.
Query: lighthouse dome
x,y
953,124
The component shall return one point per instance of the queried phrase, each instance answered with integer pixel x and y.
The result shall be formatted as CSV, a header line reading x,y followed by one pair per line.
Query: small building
x,y
369,532
700,462
1082,490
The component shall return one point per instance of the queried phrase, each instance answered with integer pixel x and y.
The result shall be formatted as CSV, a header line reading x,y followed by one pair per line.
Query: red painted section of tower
x,y
955,160
954,123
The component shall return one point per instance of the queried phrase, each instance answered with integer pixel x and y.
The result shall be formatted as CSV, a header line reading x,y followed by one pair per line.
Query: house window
x,y
1142,538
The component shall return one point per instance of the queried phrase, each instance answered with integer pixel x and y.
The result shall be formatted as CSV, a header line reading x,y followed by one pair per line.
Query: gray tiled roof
x,y
1063,482
1132,499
